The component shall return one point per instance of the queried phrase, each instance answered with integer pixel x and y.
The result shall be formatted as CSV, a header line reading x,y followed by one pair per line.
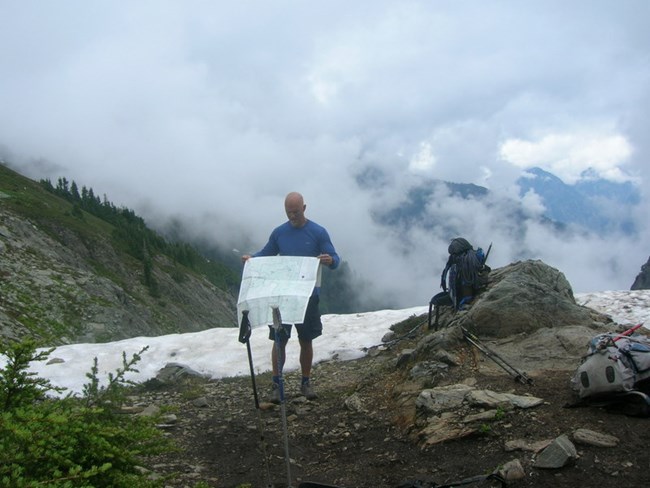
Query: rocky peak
x,y
642,281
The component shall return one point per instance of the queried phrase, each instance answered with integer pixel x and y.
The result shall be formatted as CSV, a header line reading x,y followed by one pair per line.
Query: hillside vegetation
x,y
76,268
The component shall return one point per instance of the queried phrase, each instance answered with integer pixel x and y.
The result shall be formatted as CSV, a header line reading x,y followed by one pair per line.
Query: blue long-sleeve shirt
x,y
309,240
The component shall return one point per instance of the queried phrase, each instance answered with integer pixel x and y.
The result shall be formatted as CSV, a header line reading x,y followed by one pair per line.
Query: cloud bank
x,y
210,112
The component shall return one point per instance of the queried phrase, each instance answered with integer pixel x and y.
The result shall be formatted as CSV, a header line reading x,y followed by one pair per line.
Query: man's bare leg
x,y
306,358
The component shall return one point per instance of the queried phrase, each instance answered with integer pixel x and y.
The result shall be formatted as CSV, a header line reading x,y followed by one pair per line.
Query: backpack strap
x,y
443,277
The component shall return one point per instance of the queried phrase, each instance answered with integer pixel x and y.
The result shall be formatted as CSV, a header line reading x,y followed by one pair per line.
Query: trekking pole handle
x,y
244,328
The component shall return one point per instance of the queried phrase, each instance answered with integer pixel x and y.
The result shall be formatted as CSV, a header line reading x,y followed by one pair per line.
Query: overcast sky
x,y
211,111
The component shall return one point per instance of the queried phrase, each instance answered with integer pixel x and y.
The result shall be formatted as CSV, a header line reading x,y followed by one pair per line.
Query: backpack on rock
x,y
465,275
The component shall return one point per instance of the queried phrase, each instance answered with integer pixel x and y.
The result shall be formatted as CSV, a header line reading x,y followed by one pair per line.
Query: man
x,y
299,237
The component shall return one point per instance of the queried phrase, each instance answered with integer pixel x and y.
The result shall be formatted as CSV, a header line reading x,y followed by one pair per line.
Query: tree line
x,y
338,294
131,233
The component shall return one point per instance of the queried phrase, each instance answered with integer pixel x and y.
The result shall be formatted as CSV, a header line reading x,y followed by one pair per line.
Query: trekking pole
x,y
404,336
433,306
277,325
475,479
508,368
244,338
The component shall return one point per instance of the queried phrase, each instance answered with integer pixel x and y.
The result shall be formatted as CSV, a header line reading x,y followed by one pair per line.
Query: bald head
x,y
295,198
294,206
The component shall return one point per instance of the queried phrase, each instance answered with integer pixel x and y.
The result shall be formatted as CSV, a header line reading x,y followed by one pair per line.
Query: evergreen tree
x,y
337,293
62,187
74,191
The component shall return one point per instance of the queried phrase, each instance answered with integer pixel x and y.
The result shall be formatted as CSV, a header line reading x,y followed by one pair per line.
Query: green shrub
x,y
71,441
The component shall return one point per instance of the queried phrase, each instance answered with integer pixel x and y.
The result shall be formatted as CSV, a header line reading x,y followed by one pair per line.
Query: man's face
x,y
295,211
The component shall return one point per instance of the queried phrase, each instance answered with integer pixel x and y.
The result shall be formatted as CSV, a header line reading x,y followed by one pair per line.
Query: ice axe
x,y
612,338
629,331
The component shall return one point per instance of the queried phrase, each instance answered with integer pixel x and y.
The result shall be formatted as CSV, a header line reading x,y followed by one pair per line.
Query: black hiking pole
x,y
244,338
508,368
277,325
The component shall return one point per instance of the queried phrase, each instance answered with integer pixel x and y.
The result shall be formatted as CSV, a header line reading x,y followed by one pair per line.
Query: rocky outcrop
x,y
525,296
528,311
527,321
642,281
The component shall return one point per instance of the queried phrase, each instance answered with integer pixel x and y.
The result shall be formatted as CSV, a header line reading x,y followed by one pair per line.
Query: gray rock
x,y
592,438
480,416
201,402
441,399
405,357
427,369
512,471
525,445
388,336
447,358
558,454
173,372
444,428
150,411
491,399
170,418
354,403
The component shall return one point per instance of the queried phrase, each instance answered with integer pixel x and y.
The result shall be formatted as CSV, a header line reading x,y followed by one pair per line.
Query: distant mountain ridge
x,y
594,203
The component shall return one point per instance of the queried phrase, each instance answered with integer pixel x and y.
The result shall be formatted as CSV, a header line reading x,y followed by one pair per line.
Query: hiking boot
x,y
274,397
308,392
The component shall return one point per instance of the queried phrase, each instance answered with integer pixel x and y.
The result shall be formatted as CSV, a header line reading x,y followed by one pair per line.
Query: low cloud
x,y
570,155
209,113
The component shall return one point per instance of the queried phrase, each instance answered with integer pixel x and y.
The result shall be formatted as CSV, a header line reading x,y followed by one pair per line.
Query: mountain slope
x,y
68,276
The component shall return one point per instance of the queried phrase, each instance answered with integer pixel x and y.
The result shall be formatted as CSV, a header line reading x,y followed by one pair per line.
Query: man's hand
x,y
245,258
325,259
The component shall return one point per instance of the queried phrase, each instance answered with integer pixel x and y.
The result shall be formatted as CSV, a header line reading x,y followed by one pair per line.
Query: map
x,y
283,282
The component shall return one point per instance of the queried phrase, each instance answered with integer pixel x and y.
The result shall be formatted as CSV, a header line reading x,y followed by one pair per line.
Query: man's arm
x,y
270,249
328,256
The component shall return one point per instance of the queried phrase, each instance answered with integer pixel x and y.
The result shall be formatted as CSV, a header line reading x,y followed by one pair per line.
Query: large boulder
x,y
522,298
642,281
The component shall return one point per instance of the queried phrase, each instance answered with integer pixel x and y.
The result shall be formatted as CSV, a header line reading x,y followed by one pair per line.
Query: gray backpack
x,y
615,363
